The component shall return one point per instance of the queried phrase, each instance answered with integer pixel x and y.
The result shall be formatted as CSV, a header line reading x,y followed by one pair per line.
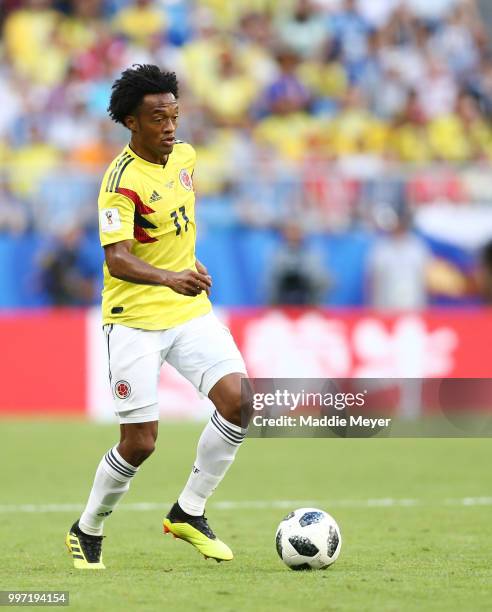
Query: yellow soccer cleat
x,y
196,531
86,550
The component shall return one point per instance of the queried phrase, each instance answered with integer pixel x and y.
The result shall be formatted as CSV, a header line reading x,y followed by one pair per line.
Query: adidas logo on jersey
x,y
154,197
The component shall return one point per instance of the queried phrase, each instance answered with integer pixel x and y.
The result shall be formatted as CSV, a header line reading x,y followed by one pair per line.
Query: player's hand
x,y
188,282
203,270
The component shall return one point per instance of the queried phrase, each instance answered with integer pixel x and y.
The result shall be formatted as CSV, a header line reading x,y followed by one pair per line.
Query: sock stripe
x,y
230,428
117,465
226,435
224,427
114,466
233,436
124,466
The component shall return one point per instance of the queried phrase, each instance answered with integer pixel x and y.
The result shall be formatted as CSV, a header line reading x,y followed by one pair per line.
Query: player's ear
x,y
131,123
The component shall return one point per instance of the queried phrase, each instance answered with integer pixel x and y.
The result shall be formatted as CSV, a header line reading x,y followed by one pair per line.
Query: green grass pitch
x,y
430,553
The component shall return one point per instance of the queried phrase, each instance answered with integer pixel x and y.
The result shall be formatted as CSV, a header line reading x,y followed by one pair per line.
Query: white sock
x,y
216,451
111,482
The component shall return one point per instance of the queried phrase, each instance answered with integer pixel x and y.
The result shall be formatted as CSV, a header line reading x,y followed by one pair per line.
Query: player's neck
x,y
148,155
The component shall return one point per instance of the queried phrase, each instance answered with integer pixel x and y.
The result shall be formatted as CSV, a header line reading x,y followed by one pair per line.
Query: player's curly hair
x,y
136,82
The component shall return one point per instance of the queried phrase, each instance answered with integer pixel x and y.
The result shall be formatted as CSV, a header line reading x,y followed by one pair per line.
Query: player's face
x,y
156,122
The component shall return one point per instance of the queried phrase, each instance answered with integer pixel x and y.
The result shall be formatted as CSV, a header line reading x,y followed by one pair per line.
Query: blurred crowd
x,y
273,94
359,82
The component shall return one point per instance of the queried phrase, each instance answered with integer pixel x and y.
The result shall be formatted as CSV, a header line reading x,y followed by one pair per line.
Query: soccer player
x,y
156,308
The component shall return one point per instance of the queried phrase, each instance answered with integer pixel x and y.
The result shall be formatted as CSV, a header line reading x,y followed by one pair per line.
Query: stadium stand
x,y
336,114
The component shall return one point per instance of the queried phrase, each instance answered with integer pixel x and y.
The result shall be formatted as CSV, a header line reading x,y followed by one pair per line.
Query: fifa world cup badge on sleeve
x,y
109,219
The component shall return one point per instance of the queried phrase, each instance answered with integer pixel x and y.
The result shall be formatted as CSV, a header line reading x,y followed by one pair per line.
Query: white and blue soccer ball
x,y
308,538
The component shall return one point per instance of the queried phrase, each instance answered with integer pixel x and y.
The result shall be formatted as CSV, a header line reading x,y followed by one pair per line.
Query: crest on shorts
x,y
185,179
122,389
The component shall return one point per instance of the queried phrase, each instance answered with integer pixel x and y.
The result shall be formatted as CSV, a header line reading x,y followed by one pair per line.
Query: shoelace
x,y
92,547
201,523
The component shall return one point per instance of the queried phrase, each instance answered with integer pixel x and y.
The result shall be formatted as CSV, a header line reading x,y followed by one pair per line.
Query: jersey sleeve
x,y
116,218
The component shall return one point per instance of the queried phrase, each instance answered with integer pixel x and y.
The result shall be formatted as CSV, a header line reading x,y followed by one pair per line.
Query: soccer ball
x,y
308,538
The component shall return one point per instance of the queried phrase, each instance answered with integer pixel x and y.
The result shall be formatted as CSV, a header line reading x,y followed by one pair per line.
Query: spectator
x,y
351,32
65,275
80,30
254,40
140,21
286,94
231,91
31,44
355,125
304,30
289,124
398,265
325,76
296,277
454,43
32,161
437,89
70,130
409,138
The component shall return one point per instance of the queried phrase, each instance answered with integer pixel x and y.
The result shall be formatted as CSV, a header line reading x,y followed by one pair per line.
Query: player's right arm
x,y
116,229
124,265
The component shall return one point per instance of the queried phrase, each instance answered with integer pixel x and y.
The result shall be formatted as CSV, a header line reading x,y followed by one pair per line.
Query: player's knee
x,y
145,447
233,399
235,408
139,448
138,442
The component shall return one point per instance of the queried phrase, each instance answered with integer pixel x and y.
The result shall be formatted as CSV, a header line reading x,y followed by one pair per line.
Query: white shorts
x,y
202,350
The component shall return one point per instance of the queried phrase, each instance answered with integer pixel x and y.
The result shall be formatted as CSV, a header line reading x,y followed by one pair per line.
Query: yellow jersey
x,y
155,207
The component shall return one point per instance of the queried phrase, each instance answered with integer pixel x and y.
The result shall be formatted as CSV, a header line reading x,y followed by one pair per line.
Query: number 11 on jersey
x,y
174,216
